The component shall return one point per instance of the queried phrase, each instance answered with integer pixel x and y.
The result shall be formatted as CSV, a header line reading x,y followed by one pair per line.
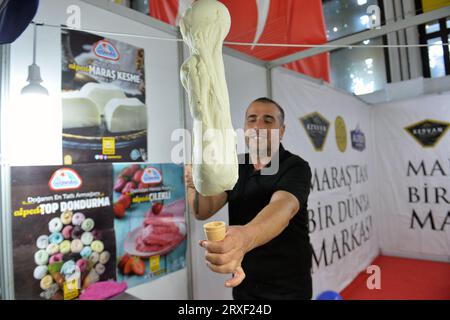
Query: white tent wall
x,y
162,85
345,241
413,182
240,74
341,213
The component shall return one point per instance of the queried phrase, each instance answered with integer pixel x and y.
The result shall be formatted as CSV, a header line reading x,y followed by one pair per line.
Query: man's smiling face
x,y
263,121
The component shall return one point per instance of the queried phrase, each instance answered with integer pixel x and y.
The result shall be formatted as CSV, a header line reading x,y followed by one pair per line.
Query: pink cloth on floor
x,y
103,290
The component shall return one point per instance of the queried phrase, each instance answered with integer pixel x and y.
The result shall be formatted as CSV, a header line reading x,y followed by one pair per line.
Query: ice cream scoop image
x,y
78,218
40,272
76,246
87,238
97,246
86,252
94,257
64,247
82,264
55,225
56,238
66,217
204,28
104,257
52,248
77,232
67,232
56,258
41,257
69,254
100,268
88,224
42,242
46,282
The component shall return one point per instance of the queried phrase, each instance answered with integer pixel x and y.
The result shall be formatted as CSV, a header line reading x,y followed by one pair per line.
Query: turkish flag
x,y
267,21
164,10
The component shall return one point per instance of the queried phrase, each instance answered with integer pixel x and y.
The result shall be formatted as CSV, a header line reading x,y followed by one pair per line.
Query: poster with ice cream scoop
x,y
62,230
103,100
150,225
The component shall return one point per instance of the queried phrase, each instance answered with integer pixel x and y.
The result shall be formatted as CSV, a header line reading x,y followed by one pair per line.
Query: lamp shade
x,y
34,88
34,79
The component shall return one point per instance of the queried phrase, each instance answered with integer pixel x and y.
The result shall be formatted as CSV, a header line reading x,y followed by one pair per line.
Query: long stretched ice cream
x,y
215,165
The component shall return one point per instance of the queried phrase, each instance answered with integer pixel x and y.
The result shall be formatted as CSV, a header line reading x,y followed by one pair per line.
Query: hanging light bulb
x,y
34,74
34,128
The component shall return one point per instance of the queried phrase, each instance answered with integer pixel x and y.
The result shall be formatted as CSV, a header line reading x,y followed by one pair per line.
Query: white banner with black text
x,y
331,130
413,180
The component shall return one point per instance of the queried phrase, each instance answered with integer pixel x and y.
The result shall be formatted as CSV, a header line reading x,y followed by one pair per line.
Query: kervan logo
x,y
106,50
358,139
65,179
151,176
428,132
316,127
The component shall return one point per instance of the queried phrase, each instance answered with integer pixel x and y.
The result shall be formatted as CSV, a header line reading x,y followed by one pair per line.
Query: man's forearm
x,y
205,207
269,223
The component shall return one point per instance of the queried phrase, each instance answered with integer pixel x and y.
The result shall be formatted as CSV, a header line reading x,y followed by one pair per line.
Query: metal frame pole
x,y
182,108
6,262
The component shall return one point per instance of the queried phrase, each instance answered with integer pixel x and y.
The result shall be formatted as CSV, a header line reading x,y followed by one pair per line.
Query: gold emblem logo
x,y
341,134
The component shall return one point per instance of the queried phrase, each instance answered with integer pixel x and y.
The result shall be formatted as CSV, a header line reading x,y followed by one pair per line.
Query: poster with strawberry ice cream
x,y
150,226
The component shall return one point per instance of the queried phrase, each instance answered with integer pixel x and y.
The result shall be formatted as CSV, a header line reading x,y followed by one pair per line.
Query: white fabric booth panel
x,y
413,181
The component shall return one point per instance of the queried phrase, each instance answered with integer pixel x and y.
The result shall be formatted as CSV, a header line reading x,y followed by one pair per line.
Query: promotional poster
x,y
62,230
103,100
150,225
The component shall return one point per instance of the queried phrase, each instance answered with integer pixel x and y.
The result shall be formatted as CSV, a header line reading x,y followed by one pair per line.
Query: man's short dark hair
x,y
270,101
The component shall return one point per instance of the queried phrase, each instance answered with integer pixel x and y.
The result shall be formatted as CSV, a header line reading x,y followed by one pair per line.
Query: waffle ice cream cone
x,y
215,231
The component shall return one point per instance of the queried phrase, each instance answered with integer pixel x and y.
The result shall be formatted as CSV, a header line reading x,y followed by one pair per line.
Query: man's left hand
x,y
226,256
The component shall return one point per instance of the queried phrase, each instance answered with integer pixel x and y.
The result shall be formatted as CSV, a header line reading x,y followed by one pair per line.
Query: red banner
x,y
165,10
267,21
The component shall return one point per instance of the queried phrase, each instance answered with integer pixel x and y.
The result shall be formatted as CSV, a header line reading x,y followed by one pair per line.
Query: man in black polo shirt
x,y
267,246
